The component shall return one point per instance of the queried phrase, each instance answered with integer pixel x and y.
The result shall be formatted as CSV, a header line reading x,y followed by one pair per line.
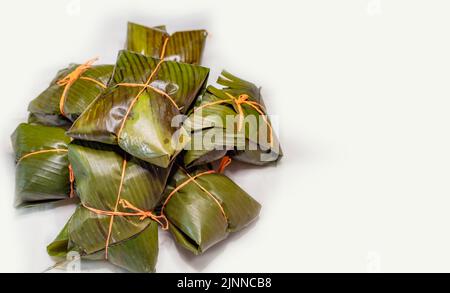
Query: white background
x,y
361,89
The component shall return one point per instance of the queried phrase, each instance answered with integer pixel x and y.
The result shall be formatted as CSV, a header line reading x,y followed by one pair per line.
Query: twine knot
x,y
241,99
224,163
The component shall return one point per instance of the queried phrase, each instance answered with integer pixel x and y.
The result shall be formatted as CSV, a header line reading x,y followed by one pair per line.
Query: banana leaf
x,y
48,120
45,108
206,210
98,169
185,46
42,172
212,136
142,126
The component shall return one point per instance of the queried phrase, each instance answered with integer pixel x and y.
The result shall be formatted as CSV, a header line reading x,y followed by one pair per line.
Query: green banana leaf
x,y
185,46
244,145
148,131
98,172
45,108
44,176
195,218
48,120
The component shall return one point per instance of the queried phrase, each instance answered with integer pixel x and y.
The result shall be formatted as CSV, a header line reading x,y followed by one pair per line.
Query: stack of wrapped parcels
x,y
143,144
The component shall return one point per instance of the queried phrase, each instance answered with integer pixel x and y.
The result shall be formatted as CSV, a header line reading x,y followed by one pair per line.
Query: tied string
x,y
71,180
160,219
239,101
71,175
147,85
72,77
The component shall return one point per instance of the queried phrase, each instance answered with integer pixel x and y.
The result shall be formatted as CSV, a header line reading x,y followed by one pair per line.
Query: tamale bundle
x,y
185,46
114,221
249,138
43,171
69,93
203,206
137,110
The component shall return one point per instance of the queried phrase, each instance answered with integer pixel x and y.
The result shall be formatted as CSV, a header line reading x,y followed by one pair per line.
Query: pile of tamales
x,y
142,145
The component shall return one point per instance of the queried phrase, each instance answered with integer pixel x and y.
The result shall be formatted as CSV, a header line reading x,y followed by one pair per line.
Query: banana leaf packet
x,y
43,173
138,109
240,100
203,207
114,220
185,46
69,93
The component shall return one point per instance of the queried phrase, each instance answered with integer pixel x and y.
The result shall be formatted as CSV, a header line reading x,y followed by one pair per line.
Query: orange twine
x,y
191,179
160,219
111,221
239,101
41,152
145,86
138,212
224,163
72,77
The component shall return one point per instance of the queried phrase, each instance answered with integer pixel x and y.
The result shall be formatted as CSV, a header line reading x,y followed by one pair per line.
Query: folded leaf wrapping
x,y
105,177
49,120
248,140
42,172
137,109
70,92
185,46
203,207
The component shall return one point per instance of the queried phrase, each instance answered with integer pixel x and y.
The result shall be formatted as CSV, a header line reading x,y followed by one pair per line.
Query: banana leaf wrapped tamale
x,y
203,206
185,46
250,136
43,172
114,221
69,93
136,111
